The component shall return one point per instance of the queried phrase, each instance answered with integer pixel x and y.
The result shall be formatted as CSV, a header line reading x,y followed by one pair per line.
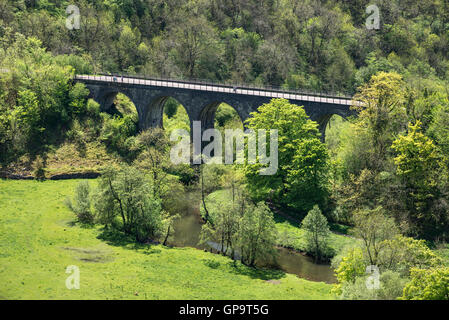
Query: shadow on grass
x,y
85,225
71,223
237,267
211,263
281,219
119,239
256,273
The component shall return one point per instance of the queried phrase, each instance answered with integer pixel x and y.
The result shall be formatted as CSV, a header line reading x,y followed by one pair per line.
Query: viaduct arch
x,y
201,100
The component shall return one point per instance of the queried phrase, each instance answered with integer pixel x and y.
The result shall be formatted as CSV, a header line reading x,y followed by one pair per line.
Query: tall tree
x,y
317,233
302,159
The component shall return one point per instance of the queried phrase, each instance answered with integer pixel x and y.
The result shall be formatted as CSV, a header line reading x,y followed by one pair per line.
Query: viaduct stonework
x,y
202,100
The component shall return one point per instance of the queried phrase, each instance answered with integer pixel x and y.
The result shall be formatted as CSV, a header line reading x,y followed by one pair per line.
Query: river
x,y
188,228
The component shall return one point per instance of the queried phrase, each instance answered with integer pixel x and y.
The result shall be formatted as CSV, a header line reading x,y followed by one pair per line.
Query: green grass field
x,y
38,240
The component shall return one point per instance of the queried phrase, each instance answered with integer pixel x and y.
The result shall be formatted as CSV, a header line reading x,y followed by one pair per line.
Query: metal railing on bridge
x,y
225,87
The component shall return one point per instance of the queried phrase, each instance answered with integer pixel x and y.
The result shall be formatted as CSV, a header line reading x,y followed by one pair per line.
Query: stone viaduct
x,y
202,100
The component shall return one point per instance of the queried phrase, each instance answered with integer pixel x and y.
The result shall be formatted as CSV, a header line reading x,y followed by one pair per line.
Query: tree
x,y
317,233
308,174
418,165
401,254
222,226
233,180
391,285
127,194
348,266
257,234
300,179
154,147
373,227
439,127
127,46
428,284
381,115
417,159
196,47
168,225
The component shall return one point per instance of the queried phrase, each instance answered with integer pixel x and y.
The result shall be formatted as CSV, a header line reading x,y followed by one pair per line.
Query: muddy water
x,y
294,262
188,228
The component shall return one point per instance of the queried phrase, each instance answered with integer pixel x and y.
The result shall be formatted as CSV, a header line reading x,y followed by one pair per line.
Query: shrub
x,y
116,131
81,204
39,169
348,267
257,234
93,108
391,285
186,173
428,284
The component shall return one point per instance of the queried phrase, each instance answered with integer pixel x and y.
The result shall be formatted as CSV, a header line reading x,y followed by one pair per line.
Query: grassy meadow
x,y
39,239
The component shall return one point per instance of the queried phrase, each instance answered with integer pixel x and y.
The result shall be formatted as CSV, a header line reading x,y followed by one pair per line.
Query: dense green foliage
x,y
430,284
128,196
321,45
37,98
396,259
383,174
387,158
300,180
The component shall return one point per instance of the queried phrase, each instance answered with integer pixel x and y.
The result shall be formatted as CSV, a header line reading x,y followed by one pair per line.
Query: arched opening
x,y
122,113
120,123
119,105
175,116
226,117
124,107
222,117
167,113
334,127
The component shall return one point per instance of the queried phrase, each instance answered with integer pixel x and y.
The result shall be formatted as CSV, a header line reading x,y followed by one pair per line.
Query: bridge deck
x,y
215,88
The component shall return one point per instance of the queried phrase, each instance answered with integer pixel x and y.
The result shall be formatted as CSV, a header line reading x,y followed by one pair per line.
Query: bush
x,y
186,173
348,266
257,234
39,169
81,204
428,284
93,108
390,288
171,107
116,131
